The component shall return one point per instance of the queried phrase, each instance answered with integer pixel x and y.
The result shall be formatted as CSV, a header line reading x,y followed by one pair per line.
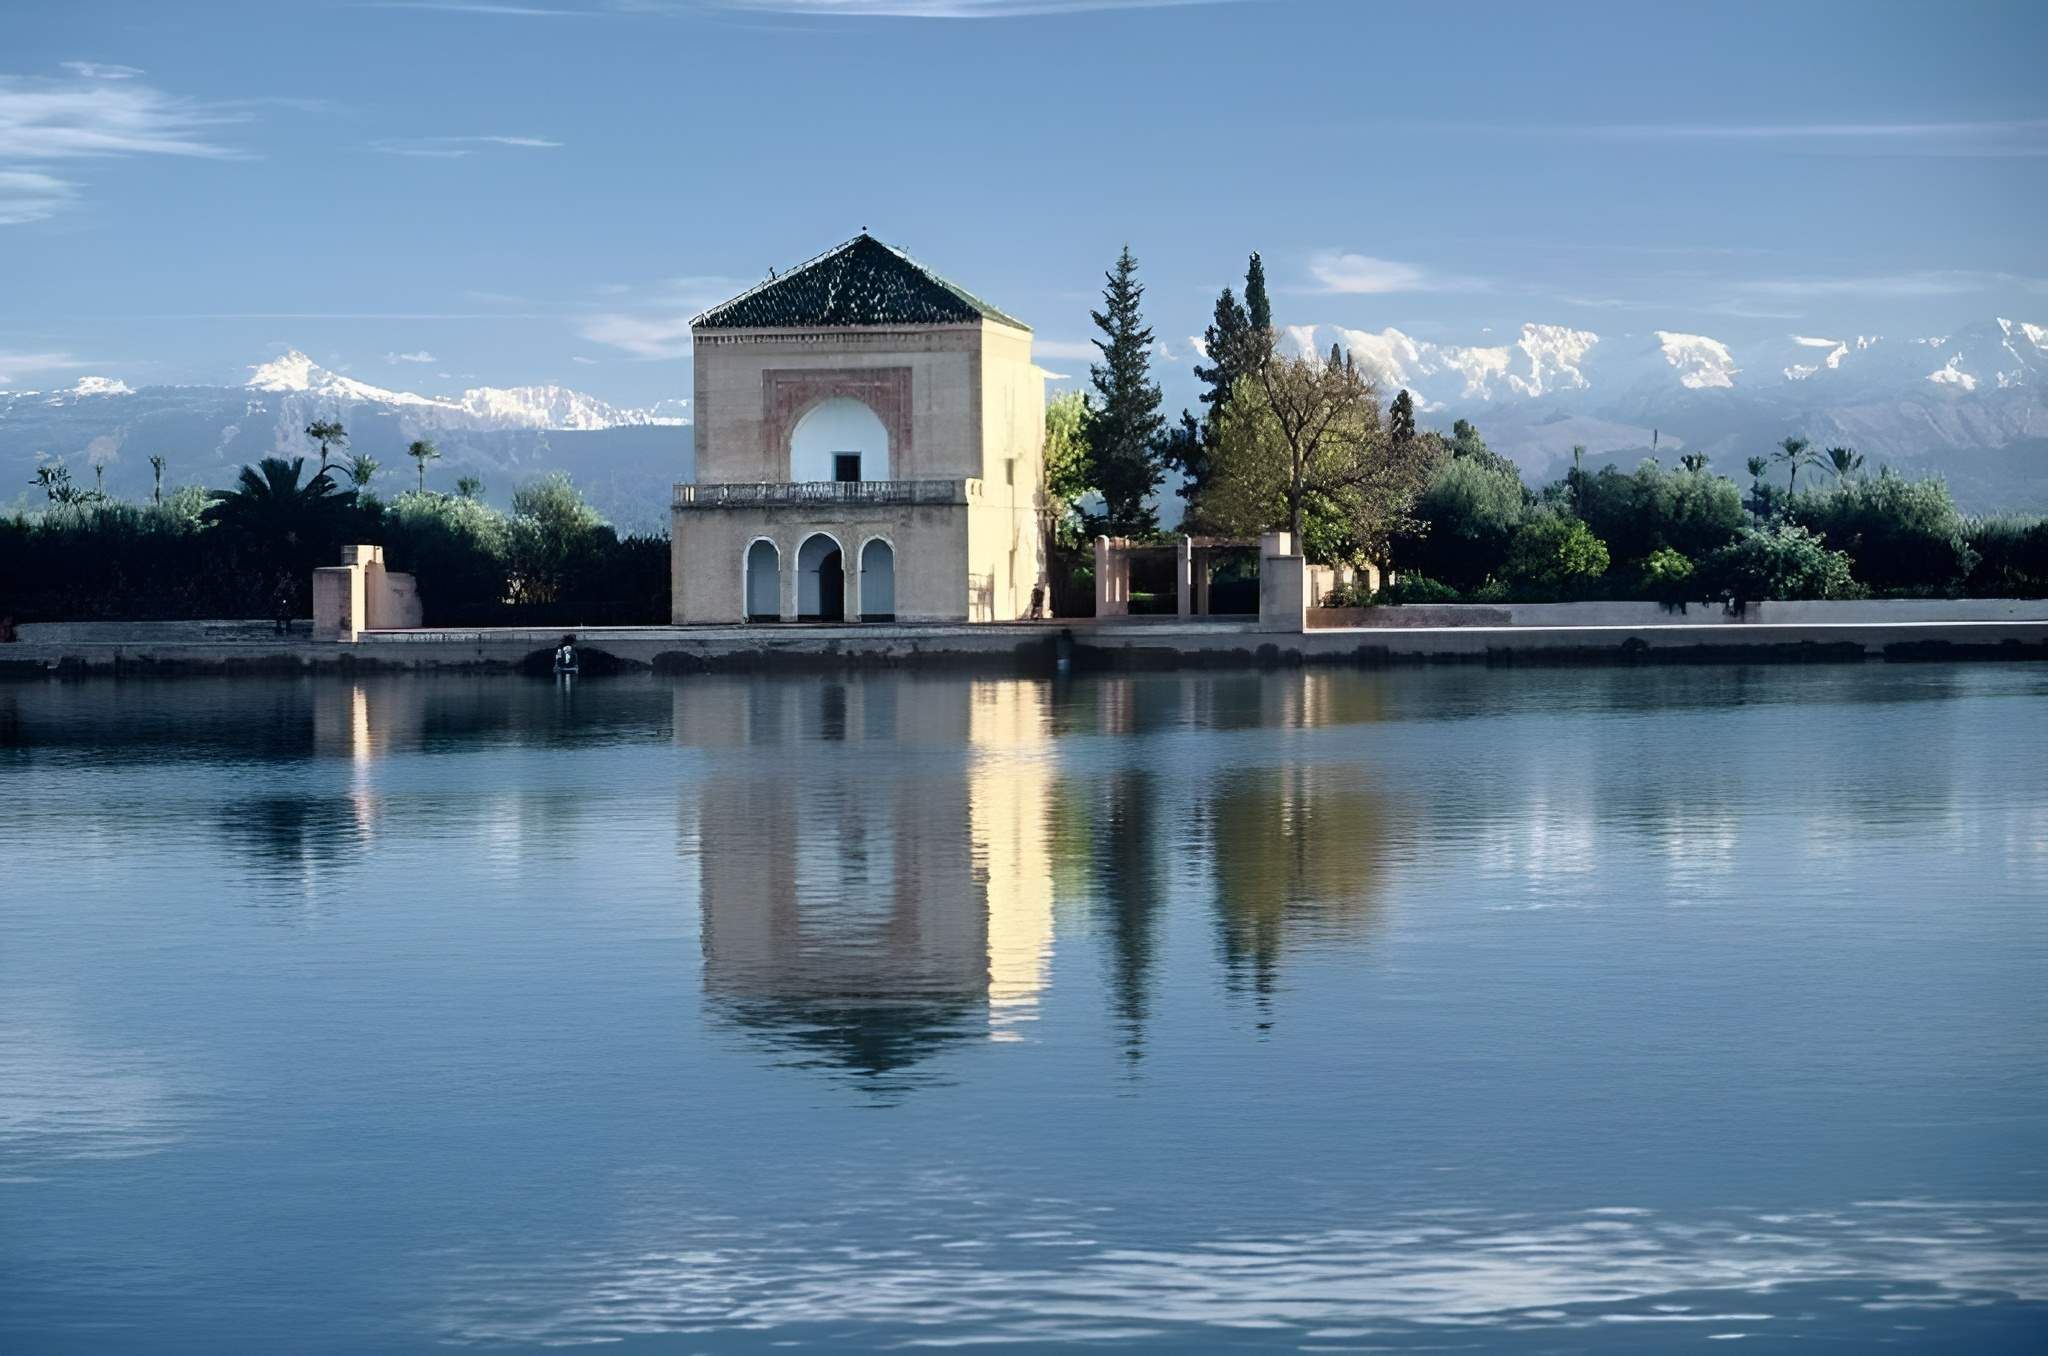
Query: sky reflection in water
x,y
1553,1009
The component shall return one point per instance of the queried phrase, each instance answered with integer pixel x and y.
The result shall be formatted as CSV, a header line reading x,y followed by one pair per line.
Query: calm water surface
x,y
1468,1010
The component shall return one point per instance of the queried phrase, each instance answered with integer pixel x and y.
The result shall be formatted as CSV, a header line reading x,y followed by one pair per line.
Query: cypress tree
x,y
1256,304
1336,356
1401,417
1224,342
1123,438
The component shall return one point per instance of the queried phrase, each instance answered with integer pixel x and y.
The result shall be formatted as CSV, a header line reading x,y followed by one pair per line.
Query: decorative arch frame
x,y
860,591
788,394
747,613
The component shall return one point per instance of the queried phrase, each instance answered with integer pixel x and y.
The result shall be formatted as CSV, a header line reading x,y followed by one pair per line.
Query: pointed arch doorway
x,y
877,581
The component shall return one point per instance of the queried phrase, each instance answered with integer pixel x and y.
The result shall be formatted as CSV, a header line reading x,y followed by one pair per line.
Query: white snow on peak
x,y
1951,373
551,407
296,372
1837,350
1546,358
1555,355
1702,363
2036,335
101,386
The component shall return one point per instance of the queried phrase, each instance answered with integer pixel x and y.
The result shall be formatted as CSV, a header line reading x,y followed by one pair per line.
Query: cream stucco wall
x,y
963,403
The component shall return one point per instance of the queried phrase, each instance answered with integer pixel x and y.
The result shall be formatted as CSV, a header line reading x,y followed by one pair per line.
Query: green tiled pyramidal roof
x,y
862,282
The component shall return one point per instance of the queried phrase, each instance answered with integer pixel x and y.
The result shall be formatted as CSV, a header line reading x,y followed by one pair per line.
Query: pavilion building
x,y
869,442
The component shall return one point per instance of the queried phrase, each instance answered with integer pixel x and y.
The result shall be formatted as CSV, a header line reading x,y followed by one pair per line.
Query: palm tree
x,y
1694,462
157,464
469,487
325,432
53,478
1757,467
361,470
1578,474
423,451
1795,453
1844,462
288,525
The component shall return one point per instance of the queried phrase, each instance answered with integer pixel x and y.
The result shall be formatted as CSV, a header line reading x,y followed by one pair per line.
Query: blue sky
x,y
445,193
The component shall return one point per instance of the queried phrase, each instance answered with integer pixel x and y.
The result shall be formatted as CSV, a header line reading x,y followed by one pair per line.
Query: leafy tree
x,y
458,549
1123,436
1066,466
1844,462
1467,445
422,451
328,433
1185,451
156,466
1695,463
1794,453
469,487
1468,513
1401,417
1302,448
2012,557
1782,561
1902,534
53,478
1690,512
1554,554
553,536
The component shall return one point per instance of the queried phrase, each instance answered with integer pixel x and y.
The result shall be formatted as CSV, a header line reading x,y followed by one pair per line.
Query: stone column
x,y
1112,579
1283,585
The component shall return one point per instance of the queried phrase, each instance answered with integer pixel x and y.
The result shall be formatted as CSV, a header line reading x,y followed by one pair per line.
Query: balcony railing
x,y
770,494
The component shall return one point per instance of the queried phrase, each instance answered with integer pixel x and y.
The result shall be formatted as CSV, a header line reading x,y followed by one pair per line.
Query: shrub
x,y
2011,557
1412,588
1469,511
1553,555
1785,561
1668,576
1901,534
455,548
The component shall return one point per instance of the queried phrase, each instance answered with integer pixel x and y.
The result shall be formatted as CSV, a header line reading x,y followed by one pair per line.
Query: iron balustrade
x,y
803,492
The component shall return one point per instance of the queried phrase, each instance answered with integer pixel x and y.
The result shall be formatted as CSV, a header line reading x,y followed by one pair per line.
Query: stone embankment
x,y
1585,633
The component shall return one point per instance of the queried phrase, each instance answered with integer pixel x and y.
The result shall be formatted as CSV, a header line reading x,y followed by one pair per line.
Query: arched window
x,y
839,439
764,581
820,580
877,581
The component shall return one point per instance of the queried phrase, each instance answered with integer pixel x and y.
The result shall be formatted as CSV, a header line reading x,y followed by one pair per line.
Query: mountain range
x,y
1971,405
625,460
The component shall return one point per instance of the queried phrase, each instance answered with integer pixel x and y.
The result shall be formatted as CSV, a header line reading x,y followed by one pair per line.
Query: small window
x,y
846,466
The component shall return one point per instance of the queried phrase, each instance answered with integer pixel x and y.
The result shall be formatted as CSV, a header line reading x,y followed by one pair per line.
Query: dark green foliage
x,y
1258,308
1124,435
1401,417
1669,577
1903,534
1553,555
1785,561
1691,512
2012,557
284,526
1469,510
1187,452
1409,589
1225,343
1467,444
107,562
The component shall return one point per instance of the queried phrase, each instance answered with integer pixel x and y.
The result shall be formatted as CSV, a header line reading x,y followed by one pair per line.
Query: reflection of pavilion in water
x,y
873,861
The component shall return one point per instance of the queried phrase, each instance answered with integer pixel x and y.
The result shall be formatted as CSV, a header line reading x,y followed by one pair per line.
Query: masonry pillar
x,y
1283,585
1184,575
1112,578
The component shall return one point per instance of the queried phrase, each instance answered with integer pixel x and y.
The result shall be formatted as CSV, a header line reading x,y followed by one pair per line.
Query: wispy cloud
x,y
1985,137
16,367
1074,350
851,9
102,112
1340,272
101,70
1950,282
420,357
658,325
454,148
31,195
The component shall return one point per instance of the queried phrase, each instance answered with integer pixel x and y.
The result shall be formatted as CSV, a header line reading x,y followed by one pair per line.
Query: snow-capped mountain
x,y
1972,404
625,459
542,407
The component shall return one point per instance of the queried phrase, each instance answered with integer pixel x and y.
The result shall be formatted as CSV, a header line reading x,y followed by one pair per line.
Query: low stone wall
x,y
1873,611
